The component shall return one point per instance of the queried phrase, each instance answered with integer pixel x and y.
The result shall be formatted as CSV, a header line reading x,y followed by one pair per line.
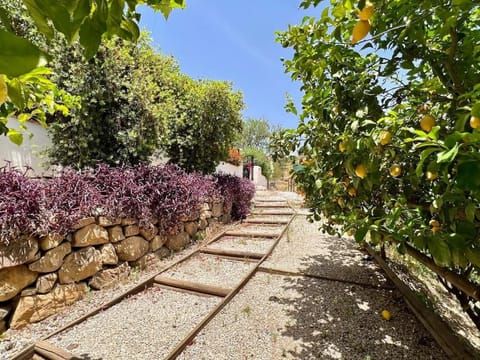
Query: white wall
x,y
29,153
228,168
258,178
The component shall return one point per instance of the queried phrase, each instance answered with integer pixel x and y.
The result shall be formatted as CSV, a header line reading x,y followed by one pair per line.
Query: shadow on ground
x,y
342,320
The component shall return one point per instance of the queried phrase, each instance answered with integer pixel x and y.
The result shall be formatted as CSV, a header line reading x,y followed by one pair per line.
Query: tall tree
x,y
126,102
256,134
207,121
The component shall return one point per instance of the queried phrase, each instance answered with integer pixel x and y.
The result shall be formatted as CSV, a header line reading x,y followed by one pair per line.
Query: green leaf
x,y
473,255
423,156
90,37
17,55
361,233
39,16
15,136
467,175
448,156
440,251
470,212
476,110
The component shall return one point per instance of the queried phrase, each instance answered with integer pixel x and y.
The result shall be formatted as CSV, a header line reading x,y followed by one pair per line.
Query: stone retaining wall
x,y
39,277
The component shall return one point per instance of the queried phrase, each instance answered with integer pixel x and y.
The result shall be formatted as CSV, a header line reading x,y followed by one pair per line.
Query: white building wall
x,y
258,179
29,153
231,169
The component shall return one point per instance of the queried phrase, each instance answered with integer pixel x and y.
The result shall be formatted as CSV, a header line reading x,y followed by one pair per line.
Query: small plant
x,y
247,310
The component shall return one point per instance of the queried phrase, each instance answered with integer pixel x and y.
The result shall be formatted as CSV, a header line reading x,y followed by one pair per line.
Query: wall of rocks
x,y
39,277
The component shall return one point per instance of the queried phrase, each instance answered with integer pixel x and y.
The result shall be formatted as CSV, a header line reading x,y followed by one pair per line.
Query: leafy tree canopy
x,y
390,125
26,90
207,121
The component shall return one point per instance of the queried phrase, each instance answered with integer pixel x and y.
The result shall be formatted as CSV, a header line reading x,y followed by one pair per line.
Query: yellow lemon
x,y
435,229
385,137
432,175
427,123
367,12
474,122
342,147
395,170
340,202
352,192
360,30
434,223
386,315
361,171
3,90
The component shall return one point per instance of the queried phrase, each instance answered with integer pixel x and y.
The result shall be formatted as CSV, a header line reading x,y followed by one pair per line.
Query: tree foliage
x,y
26,89
126,102
389,125
207,121
256,134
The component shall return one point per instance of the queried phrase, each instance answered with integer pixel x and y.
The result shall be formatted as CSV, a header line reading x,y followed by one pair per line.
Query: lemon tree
x,y
390,124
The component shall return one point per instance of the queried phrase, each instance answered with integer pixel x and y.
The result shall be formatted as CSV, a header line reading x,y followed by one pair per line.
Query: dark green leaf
x,y
361,233
468,175
440,251
17,55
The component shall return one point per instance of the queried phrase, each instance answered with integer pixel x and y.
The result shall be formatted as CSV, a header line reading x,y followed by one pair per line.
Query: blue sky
x,y
234,40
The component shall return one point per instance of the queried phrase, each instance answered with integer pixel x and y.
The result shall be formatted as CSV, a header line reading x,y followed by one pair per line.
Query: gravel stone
x,y
147,325
211,270
304,249
253,244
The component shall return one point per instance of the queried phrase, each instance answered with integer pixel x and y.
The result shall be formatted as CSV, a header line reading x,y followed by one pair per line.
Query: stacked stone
x,y
39,277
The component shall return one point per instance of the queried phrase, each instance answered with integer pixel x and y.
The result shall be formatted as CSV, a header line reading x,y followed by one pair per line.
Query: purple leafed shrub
x,y
19,204
166,194
237,194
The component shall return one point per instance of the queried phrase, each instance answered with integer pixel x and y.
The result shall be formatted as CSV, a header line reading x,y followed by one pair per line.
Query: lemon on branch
x,y
474,122
395,170
361,171
431,175
352,191
427,123
385,137
360,30
342,147
3,90
367,12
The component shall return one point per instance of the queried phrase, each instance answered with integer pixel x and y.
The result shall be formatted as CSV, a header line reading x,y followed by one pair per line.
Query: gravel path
x,y
211,270
145,326
305,249
258,245
277,317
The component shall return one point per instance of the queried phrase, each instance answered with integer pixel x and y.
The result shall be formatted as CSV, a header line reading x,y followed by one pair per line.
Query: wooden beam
x,y
52,352
233,253
266,221
187,285
251,234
